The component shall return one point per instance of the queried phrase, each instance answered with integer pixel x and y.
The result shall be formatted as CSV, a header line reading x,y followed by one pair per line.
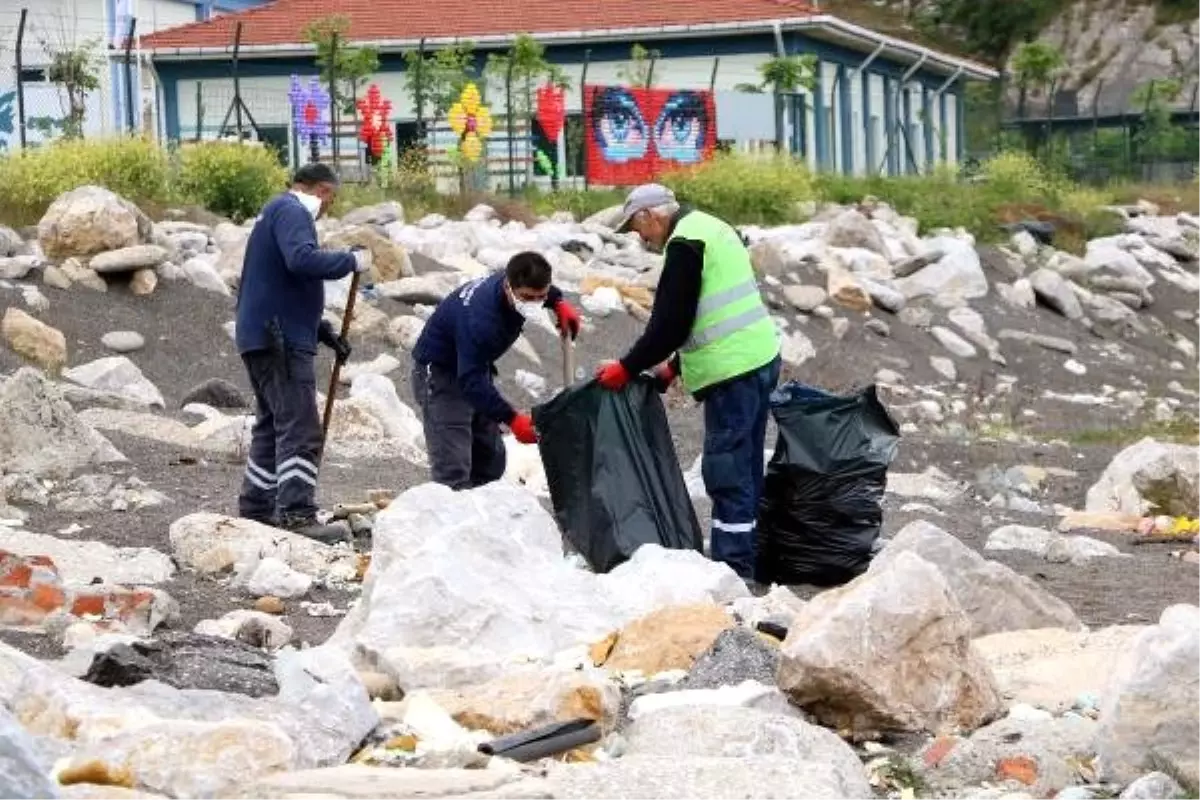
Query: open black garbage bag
x,y
820,514
613,474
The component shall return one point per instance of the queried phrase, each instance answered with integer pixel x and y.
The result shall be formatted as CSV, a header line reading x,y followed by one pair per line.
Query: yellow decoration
x,y
471,121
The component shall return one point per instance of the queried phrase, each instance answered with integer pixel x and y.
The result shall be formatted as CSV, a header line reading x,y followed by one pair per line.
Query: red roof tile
x,y
282,22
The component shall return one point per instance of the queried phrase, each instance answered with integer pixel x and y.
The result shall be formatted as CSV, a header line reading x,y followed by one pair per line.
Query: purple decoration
x,y
310,111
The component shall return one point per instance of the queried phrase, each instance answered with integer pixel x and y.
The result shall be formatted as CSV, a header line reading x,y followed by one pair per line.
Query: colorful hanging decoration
x,y
471,121
310,114
551,110
375,128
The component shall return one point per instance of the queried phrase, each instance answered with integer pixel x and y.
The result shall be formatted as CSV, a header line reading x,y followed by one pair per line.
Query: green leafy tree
x,y
527,60
639,72
1158,136
786,75
77,70
336,58
435,80
993,28
1035,65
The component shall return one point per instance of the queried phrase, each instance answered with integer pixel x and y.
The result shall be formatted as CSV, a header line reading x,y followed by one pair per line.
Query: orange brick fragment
x,y
88,603
47,597
1022,769
938,750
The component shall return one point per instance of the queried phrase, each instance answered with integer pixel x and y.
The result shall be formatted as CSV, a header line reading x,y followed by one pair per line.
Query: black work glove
x,y
334,341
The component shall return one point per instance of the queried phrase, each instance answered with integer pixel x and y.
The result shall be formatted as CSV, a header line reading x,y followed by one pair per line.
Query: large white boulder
x,y
22,774
994,597
1147,478
118,375
958,276
89,220
41,434
891,650
1149,705
461,584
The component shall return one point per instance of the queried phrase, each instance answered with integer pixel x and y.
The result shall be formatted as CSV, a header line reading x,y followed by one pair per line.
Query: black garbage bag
x,y
820,514
613,475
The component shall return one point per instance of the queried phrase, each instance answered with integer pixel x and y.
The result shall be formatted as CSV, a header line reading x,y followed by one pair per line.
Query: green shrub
x,y
229,178
745,190
137,169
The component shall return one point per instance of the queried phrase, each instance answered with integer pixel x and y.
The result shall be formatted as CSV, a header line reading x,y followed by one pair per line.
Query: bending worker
x,y
454,366
710,321
279,323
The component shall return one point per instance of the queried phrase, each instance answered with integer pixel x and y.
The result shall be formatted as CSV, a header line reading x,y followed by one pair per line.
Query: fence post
x,y
130,114
20,82
583,111
712,81
199,109
237,83
419,94
333,98
650,72
508,122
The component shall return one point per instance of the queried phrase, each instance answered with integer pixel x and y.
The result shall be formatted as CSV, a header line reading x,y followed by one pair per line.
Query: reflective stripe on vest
x,y
725,327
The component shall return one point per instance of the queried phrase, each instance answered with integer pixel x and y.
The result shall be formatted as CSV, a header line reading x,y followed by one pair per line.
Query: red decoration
x,y
551,110
634,135
375,128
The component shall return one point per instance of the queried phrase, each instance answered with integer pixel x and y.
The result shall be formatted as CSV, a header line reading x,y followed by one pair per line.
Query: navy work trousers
x,y
465,448
280,482
735,430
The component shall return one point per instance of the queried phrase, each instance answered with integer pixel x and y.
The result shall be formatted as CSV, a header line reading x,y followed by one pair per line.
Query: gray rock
x,y
804,298
994,597
187,661
129,259
944,367
852,229
428,289
358,782
1155,786
738,654
916,263
1103,282
878,327
1054,742
10,242
17,267
1041,340
1018,294
1078,550
1149,704
692,778
123,341
1055,291
1001,260
953,342
916,317
217,393
884,295
22,775
378,214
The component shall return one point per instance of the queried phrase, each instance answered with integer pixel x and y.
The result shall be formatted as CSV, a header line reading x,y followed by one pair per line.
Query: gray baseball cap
x,y
648,195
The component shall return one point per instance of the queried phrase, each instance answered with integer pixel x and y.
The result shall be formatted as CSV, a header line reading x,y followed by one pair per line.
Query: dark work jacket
x,y
283,278
468,333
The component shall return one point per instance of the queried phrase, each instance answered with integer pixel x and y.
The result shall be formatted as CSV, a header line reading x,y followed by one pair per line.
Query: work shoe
x,y
333,533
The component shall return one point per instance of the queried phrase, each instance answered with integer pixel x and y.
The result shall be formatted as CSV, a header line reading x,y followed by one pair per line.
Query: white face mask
x,y
526,308
311,203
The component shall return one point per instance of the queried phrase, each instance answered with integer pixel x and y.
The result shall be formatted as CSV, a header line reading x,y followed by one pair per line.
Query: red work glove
x,y
612,375
522,428
664,376
568,318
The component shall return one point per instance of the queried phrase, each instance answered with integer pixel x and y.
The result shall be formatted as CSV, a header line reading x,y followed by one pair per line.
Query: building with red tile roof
x,y
878,102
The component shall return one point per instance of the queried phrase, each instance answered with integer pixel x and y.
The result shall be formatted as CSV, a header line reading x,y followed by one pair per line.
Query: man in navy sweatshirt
x,y
454,364
279,324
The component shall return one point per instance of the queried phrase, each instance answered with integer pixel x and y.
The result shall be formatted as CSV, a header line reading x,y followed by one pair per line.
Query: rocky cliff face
x,y
1114,46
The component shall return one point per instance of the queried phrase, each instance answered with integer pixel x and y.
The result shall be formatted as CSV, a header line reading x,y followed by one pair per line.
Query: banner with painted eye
x,y
635,135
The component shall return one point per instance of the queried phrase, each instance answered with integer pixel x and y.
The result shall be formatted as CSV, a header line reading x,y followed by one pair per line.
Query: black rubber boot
x,y
333,533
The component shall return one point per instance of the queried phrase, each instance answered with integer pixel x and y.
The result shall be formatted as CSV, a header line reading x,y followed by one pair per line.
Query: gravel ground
x,y
186,346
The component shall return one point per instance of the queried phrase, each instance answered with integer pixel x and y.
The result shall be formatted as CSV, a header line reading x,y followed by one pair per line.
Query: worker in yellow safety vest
x,y
710,327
